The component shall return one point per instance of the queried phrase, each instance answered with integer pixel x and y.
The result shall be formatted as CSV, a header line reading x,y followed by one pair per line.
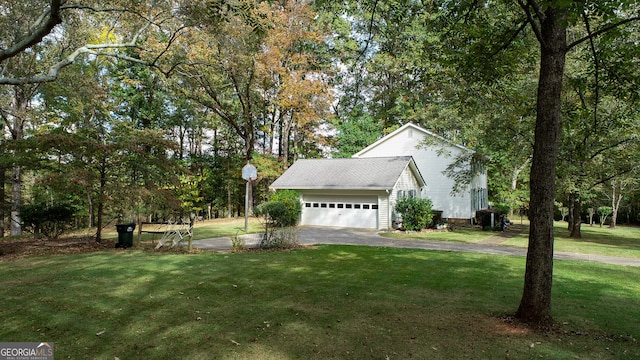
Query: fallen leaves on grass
x,y
16,248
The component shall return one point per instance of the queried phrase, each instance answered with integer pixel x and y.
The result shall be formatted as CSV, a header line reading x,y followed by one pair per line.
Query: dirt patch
x,y
508,325
15,248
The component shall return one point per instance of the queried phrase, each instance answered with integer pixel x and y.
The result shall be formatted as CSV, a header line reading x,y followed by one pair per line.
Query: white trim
x,y
414,127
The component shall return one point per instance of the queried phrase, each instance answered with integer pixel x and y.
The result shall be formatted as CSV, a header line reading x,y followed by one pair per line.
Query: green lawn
x,y
464,234
623,241
202,229
331,302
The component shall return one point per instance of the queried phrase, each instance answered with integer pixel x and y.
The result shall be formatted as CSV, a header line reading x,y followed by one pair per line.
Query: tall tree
x,y
599,113
478,39
30,55
549,21
290,77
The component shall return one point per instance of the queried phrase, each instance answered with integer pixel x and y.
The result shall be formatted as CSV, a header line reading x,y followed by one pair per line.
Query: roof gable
x,y
380,173
411,127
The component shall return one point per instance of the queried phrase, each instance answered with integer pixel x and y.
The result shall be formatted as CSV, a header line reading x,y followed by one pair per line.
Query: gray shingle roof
x,y
355,173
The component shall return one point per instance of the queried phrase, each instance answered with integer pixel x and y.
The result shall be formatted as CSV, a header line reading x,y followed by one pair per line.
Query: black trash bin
x,y
125,235
484,217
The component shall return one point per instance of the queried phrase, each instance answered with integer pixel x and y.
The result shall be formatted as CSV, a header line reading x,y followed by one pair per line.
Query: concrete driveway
x,y
311,235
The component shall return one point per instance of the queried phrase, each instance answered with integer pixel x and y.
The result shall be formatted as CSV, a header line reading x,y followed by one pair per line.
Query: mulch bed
x,y
15,248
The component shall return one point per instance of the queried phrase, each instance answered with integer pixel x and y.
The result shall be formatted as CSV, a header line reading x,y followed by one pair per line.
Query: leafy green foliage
x,y
293,207
274,212
283,208
357,133
604,212
416,213
50,220
281,214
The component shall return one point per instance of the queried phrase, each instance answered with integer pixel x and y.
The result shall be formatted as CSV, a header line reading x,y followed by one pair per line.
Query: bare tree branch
x,y
602,31
511,39
52,74
41,28
105,49
531,19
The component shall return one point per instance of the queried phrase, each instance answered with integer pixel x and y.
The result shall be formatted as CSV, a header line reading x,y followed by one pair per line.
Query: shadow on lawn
x,y
331,302
622,237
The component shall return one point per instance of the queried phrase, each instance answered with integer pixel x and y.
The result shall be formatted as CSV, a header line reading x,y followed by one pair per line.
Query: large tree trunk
x,y
535,305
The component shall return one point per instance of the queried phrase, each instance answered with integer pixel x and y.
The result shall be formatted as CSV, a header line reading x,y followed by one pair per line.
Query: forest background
x,y
149,109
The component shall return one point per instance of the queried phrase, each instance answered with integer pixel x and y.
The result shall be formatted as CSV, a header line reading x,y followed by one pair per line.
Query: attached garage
x,y
340,211
355,193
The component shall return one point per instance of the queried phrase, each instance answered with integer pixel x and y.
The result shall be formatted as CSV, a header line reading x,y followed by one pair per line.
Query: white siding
x,y
384,212
431,164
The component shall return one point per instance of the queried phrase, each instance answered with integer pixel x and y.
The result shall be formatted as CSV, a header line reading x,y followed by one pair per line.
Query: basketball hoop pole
x,y
249,173
246,207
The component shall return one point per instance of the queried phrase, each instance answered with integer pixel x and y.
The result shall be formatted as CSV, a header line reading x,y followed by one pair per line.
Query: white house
x,y
432,155
355,192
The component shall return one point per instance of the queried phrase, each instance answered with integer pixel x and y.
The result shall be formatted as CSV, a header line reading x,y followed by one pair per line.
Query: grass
x,y
224,227
623,241
465,235
332,302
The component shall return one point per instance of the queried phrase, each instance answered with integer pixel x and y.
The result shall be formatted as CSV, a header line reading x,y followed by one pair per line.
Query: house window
x,y
349,206
412,193
374,207
401,194
323,205
356,206
365,206
479,199
332,206
340,206
315,205
307,205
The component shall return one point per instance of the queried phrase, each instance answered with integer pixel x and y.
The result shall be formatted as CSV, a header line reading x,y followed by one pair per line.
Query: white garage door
x,y
341,211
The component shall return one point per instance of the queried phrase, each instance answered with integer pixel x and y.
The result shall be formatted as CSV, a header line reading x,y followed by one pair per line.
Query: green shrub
x,y
273,212
415,212
280,215
48,220
291,201
237,243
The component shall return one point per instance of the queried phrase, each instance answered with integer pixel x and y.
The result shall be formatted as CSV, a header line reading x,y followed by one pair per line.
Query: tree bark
x,y
16,201
3,175
576,217
101,191
616,199
572,200
535,305
90,207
